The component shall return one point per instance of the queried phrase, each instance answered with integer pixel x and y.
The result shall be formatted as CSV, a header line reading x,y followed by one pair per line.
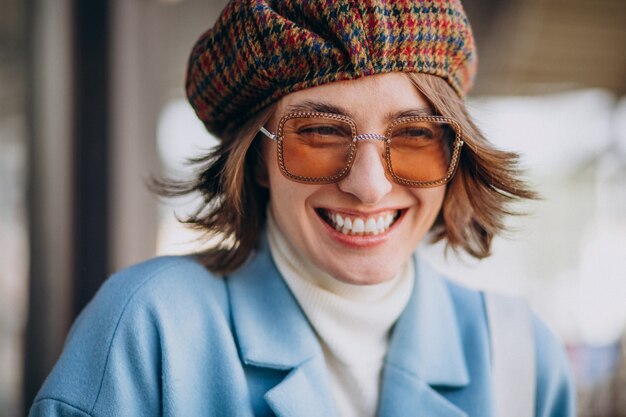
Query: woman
x,y
345,141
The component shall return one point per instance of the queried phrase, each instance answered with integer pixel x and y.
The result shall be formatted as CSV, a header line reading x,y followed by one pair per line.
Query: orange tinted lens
x,y
420,150
316,147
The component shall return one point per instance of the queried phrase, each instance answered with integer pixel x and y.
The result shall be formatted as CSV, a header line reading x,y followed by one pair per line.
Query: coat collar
x,y
426,340
272,331
425,351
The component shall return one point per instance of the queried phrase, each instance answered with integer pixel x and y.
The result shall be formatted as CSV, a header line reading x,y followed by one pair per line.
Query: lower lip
x,y
360,241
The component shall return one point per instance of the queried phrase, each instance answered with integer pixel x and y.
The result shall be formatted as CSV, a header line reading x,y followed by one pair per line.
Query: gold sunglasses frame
x,y
278,137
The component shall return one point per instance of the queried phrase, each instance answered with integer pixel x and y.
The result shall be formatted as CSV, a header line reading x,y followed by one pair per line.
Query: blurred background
x,y
92,104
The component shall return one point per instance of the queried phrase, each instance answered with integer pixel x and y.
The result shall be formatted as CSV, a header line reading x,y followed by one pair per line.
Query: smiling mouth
x,y
359,225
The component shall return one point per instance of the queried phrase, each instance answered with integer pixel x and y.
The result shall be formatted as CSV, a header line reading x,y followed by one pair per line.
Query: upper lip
x,y
361,213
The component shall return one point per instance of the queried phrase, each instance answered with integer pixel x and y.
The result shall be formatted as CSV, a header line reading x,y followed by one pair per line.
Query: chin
x,y
362,276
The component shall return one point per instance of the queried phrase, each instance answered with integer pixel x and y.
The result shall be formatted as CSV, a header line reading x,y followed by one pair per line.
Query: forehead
x,y
363,99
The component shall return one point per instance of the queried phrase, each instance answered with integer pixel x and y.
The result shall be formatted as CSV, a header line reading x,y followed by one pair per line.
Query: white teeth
x,y
347,225
339,220
359,225
388,220
380,224
370,226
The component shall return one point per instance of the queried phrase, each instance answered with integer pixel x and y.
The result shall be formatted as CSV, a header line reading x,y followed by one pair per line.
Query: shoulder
x,y
554,391
161,283
121,337
151,291
168,274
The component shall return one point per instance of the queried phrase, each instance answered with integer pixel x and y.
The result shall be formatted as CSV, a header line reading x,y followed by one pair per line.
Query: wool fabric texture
x,y
260,50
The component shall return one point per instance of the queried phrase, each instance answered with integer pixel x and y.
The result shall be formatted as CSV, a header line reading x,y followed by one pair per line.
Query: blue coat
x,y
168,338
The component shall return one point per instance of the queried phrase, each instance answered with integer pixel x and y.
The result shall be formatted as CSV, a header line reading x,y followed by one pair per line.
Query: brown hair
x,y
234,203
487,180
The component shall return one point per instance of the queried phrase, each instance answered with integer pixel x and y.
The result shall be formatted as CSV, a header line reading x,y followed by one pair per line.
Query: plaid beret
x,y
261,50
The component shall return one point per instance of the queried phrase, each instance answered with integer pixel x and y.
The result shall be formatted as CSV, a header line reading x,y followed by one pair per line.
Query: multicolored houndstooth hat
x,y
261,50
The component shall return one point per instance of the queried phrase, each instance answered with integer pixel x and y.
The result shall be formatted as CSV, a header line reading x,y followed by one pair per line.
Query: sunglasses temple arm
x,y
267,133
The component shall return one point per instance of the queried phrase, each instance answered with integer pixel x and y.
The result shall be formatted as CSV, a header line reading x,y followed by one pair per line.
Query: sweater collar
x,y
352,321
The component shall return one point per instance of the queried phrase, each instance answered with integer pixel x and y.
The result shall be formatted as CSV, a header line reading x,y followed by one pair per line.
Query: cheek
x,y
285,195
430,199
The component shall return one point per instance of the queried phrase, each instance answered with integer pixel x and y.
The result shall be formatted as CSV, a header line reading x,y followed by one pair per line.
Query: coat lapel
x,y
425,351
404,394
273,332
304,392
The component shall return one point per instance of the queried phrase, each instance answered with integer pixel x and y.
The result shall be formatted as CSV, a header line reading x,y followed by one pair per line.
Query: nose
x,y
367,179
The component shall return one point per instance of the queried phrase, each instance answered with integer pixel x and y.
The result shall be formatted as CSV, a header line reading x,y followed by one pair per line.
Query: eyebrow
x,y
318,107
423,111
322,107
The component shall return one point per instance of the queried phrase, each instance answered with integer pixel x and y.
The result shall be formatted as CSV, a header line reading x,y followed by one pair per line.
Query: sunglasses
x,y
420,151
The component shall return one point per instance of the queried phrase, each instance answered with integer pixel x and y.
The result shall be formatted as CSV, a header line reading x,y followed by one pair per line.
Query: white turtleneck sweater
x,y
352,322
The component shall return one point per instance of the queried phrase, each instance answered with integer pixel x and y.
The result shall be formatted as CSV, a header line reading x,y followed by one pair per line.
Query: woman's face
x,y
302,211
